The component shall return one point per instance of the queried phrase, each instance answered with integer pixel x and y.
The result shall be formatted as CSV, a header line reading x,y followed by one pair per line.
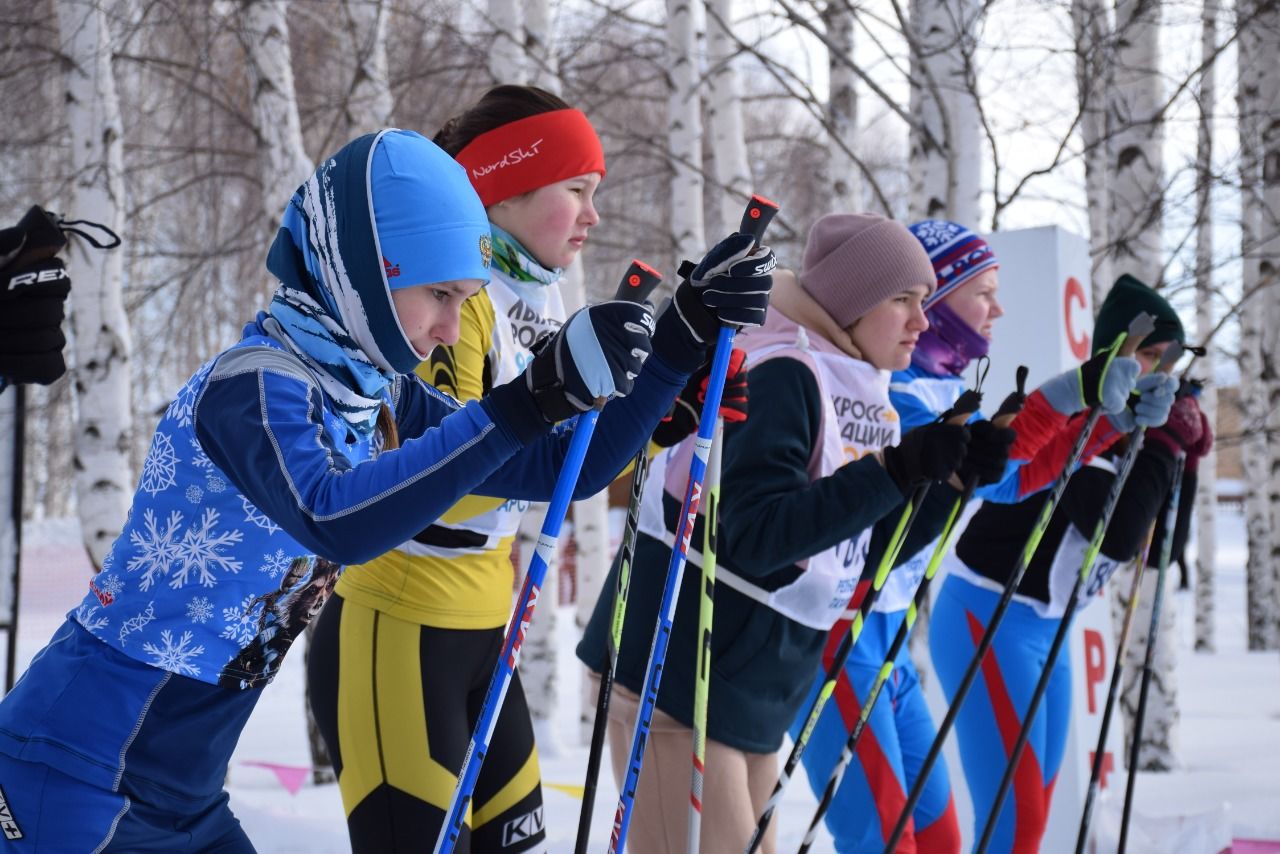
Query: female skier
x,y
810,480
284,448
989,548
898,733
404,653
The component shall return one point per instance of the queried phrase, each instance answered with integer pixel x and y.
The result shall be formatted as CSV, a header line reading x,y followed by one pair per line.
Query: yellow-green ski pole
x,y
706,610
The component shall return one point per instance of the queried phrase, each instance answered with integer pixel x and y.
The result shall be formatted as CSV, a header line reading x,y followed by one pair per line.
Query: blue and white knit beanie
x,y
957,254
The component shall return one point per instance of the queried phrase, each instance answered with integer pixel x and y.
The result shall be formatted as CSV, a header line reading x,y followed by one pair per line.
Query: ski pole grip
x,y
756,218
1012,404
1171,355
969,402
1139,328
638,282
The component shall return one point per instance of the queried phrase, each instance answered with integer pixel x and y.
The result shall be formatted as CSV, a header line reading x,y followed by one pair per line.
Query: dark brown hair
x,y
499,106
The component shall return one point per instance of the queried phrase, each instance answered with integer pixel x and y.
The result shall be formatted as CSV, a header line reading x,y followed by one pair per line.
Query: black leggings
x,y
397,702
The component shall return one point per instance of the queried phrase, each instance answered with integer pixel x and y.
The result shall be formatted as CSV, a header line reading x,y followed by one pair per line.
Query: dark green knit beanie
x,y
1127,297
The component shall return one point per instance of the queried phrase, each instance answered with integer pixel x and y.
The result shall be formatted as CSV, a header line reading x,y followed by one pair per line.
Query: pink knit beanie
x,y
853,262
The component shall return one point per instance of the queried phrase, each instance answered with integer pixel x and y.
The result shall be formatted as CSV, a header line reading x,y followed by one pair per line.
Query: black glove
x,y
988,453
33,289
729,287
930,452
596,354
687,408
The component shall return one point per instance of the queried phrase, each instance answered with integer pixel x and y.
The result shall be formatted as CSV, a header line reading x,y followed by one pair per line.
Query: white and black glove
x,y
596,354
729,287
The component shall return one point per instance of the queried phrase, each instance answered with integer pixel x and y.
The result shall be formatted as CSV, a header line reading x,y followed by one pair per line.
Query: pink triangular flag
x,y
290,776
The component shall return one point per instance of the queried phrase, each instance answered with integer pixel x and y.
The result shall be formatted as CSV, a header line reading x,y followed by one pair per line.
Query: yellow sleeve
x,y
460,371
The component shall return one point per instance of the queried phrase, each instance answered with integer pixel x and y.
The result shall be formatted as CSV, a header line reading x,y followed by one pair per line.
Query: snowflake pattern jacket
x,y
250,476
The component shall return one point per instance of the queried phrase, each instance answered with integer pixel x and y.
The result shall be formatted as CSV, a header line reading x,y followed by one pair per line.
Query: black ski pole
x,y
1125,345
1008,410
964,407
1170,356
1113,692
1166,551
643,278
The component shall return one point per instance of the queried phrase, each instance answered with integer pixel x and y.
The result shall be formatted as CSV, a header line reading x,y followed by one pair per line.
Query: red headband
x,y
530,153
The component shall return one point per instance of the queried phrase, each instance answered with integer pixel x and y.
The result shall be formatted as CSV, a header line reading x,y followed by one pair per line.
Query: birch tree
x,y
544,69
724,117
1206,497
841,170
1136,134
1268,267
1092,32
1159,747
104,421
506,52
684,129
283,159
369,103
1259,575
946,138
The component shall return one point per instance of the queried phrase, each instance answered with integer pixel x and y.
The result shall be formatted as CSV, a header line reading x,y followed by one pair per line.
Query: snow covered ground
x,y
1230,740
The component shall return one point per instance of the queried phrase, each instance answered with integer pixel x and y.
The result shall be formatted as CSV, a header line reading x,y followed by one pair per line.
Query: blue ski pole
x,y
754,222
636,285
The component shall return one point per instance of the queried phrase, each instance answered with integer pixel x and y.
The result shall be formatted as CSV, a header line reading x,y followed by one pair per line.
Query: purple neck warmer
x,y
949,344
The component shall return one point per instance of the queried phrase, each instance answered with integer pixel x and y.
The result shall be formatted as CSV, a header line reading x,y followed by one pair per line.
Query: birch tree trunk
x,y
282,159
1137,133
591,531
684,130
946,146
506,53
945,153
369,101
1093,68
842,172
538,672
1160,740
104,423
724,118
1259,576
1268,265
544,69
1206,497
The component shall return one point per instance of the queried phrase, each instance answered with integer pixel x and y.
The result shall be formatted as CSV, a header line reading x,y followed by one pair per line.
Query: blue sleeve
x,y
912,411
265,430
1007,489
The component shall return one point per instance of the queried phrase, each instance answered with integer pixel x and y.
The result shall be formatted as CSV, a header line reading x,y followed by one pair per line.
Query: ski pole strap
x,y
112,239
